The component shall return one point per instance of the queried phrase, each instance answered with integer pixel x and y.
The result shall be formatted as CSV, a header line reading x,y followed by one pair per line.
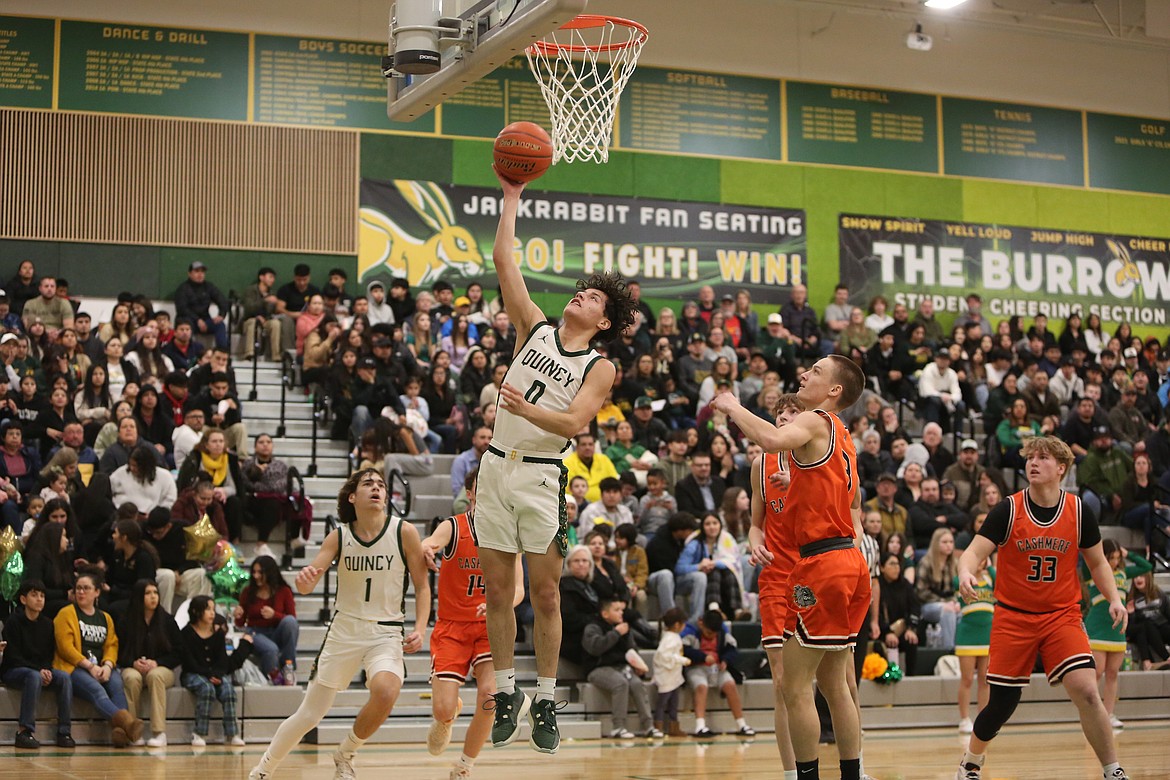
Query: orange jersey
x,y
461,588
1036,569
779,530
820,496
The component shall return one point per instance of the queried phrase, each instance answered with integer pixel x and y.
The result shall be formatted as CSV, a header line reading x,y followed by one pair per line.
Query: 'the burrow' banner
x,y
1016,270
425,231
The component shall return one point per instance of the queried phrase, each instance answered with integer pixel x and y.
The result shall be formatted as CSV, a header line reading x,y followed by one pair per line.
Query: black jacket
x,y
690,497
121,574
208,657
193,301
579,605
136,642
923,523
30,644
210,406
663,549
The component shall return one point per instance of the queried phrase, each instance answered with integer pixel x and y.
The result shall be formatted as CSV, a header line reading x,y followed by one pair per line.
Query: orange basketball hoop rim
x,y
592,21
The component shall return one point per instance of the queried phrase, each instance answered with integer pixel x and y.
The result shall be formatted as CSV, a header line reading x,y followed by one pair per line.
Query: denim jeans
x,y
107,697
276,644
933,612
694,587
29,682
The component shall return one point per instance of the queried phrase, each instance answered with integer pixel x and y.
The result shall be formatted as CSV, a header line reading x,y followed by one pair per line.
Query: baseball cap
x,y
943,353
367,362
7,337
1130,352
727,298
643,402
197,266
1164,354
775,319
723,382
887,477
968,444
696,336
1101,430
1067,361
462,300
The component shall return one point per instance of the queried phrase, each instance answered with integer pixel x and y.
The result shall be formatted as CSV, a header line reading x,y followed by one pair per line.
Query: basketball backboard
x,y
484,36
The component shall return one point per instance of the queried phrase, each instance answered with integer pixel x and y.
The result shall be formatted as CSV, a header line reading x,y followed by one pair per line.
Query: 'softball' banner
x,y
1016,270
423,232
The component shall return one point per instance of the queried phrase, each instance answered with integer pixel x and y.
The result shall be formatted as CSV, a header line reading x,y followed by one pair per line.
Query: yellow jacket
x,y
602,467
67,631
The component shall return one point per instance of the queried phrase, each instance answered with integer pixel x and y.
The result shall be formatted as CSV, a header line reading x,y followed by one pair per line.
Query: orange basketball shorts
x,y
1016,638
457,648
829,597
774,606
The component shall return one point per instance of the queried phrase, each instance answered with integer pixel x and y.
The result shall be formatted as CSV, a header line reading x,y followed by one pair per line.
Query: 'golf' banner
x,y
424,231
1017,270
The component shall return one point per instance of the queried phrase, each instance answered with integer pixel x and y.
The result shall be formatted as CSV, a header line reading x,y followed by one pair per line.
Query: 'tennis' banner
x,y
1016,270
425,231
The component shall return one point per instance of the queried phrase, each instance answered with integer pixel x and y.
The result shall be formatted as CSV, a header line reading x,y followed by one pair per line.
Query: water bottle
x,y
228,645
93,659
290,674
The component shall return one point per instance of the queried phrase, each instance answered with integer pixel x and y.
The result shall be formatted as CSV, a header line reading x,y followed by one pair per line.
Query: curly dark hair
x,y
619,306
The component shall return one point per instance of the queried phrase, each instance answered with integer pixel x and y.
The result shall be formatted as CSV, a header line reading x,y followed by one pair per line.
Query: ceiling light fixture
x,y
943,4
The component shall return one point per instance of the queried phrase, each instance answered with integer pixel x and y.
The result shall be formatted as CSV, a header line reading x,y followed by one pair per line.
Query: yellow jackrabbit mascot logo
x,y
382,242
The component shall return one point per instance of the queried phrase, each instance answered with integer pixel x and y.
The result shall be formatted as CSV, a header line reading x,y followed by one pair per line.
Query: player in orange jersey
x,y
772,539
459,643
829,585
1039,533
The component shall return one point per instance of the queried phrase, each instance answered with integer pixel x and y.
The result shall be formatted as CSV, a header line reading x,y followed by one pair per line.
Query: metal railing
x,y
287,377
321,416
257,341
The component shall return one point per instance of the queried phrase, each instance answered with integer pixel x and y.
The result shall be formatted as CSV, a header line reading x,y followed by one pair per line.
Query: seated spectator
x,y
895,517
872,461
211,457
214,361
965,474
616,668
182,349
1142,508
149,650
890,427
147,355
266,485
900,545
898,613
23,286
608,511
133,559
935,584
259,306
312,316
1149,623
367,395
208,669
154,425
221,408
701,492
418,413
722,371
142,482
631,560
656,506
910,477
53,419
939,395
593,466
186,436
475,377
990,494
27,666
578,487
857,338
1102,474
468,461
267,612
629,455
713,552
579,602
176,573
892,366
117,453
406,451
193,300
458,342
1128,424
1012,431
56,314
930,512
90,658
711,647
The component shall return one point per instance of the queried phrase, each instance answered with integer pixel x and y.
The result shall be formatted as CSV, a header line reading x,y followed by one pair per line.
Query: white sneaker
x,y
236,741
966,725
1115,722
439,735
622,734
198,741
140,742
158,740
343,767
969,772
297,542
256,774
459,773
263,549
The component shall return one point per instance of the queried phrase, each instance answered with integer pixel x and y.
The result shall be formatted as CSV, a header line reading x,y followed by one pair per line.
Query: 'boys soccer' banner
x,y
1017,270
424,231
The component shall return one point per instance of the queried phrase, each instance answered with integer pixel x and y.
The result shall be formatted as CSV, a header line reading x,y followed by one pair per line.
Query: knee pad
x,y
1001,703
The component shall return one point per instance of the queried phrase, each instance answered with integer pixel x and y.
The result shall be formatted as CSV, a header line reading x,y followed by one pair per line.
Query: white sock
x,y
972,758
466,761
790,774
545,688
350,744
700,724
267,763
1108,770
740,723
506,680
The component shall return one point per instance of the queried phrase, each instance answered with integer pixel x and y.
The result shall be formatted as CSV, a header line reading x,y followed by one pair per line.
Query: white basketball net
x,y
582,69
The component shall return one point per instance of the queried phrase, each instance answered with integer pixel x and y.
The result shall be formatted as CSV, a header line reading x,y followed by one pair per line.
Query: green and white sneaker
x,y
510,709
546,737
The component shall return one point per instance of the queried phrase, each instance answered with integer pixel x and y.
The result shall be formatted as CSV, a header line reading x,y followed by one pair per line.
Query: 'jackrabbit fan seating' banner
x,y
1017,270
424,232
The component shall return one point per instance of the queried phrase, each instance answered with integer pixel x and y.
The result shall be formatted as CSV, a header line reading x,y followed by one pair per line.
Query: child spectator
x,y
28,666
608,511
617,668
58,487
669,662
712,651
631,559
630,493
656,507
34,510
207,669
578,487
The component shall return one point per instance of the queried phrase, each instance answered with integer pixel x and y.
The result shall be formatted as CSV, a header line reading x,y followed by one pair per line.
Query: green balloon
x,y
228,581
11,575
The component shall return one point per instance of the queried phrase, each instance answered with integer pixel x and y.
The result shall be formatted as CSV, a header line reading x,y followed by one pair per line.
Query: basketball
x,y
523,151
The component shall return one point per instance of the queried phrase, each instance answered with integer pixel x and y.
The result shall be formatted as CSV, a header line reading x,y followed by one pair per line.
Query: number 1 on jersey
x,y
535,392
369,584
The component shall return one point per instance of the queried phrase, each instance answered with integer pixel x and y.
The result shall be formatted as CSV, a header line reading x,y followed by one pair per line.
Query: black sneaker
x,y
704,733
745,731
65,741
26,740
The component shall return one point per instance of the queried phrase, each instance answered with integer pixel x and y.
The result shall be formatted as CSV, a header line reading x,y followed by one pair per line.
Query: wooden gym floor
x,y
1020,753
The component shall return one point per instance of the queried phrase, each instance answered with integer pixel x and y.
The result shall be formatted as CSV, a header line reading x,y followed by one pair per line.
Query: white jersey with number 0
x,y
371,578
550,377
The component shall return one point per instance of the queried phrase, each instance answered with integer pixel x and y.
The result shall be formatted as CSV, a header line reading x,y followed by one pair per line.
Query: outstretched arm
x,y
583,409
791,437
760,555
523,313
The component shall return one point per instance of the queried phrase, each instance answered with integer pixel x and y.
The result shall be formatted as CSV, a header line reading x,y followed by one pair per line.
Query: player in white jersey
x,y
375,554
553,388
